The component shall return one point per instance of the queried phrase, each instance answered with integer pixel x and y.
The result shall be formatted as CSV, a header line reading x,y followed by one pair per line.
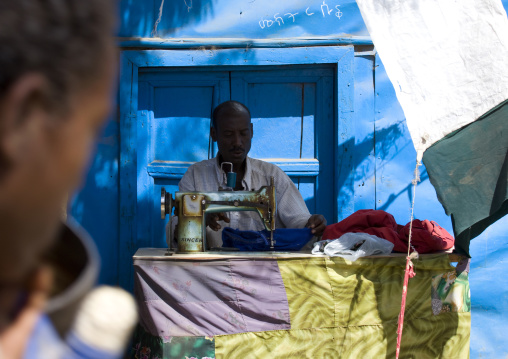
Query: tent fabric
x,y
333,308
427,236
445,59
470,174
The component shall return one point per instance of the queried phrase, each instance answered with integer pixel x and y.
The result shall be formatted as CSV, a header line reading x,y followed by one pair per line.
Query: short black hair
x,y
231,108
61,39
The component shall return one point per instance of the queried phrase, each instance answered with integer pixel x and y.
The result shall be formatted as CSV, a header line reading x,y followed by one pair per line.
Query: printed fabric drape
x,y
305,307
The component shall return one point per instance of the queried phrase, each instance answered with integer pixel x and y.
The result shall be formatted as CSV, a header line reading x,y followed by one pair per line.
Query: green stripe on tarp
x,y
469,170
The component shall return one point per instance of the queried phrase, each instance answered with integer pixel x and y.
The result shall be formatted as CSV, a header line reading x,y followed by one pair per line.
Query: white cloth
x,y
445,59
366,245
206,176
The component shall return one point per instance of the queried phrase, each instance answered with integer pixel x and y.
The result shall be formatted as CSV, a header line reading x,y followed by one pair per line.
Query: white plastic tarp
x,y
447,60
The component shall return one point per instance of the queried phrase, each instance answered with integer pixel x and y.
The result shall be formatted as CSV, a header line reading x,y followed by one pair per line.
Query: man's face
x,y
51,166
233,135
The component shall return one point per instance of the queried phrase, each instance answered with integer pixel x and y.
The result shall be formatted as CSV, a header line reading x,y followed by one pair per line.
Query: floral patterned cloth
x,y
147,346
301,307
450,291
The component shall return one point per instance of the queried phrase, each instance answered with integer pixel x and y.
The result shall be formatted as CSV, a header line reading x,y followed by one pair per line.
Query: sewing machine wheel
x,y
166,203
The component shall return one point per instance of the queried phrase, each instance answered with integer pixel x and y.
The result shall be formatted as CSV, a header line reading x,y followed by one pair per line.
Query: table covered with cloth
x,y
295,305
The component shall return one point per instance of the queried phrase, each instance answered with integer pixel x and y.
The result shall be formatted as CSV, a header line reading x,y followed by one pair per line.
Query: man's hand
x,y
213,218
317,223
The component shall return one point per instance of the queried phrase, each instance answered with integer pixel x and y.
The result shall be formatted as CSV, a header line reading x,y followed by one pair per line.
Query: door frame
x,y
342,57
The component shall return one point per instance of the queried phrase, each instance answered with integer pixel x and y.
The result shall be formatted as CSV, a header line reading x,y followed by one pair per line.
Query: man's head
x,y
232,130
56,70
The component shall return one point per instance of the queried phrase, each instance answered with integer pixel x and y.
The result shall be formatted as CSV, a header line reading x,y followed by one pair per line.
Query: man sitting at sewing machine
x,y
232,130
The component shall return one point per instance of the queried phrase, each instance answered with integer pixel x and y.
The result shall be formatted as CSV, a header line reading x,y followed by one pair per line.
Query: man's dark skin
x,y
233,133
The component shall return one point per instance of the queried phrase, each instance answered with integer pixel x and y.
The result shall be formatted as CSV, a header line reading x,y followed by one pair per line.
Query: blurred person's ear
x,y
24,114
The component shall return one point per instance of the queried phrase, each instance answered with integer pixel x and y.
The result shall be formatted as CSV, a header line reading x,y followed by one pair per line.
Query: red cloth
x,y
427,236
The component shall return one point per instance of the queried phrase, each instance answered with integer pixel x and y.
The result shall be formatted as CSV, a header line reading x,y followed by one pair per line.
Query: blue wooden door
x,y
172,133
292,113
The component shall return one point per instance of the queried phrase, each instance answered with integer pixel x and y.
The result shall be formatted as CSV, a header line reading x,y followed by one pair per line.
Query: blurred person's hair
x,y
60,39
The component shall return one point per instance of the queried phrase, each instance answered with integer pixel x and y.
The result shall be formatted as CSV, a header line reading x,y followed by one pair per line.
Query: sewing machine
x,y
192,208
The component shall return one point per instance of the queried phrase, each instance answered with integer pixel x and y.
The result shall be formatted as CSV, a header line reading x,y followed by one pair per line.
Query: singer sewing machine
x,y
192,208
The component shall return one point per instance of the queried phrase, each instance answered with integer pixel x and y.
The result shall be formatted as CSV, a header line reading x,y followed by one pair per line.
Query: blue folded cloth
x,y
286,239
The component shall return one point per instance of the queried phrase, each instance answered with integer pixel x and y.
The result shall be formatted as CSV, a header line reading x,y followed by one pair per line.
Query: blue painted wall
x,y
375,146
96,205
248,19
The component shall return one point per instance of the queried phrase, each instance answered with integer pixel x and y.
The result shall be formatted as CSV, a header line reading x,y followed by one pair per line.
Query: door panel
x,y
173,132
270,116
306,186
183,121
292,113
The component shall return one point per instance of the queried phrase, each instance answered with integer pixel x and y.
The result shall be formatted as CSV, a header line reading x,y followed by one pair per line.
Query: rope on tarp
x,y
409,272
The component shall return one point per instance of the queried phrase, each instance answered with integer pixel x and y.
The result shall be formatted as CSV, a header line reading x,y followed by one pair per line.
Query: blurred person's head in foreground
x,y
56,73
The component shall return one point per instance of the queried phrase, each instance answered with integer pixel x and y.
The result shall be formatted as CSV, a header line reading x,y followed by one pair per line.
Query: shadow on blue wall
x,y
385,139
95,207
407,190
387,142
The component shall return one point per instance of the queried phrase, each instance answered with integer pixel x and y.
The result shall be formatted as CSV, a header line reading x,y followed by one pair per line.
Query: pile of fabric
x,y
427,236
365,232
